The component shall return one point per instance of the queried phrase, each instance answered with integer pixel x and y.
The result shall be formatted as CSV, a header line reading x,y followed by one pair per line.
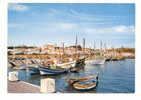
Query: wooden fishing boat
x,y
12,64
85,85
74,80
34,71
108,59
21,67
97,61
80,63
74,69
48,71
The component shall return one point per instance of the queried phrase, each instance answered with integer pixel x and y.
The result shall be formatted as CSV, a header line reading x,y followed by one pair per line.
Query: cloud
x,y
17,7
114,29
73,15
56,27
54,12
132,28
74,12
123,28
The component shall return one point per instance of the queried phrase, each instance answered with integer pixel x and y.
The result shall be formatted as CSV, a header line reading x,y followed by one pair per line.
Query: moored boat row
x,y
48,70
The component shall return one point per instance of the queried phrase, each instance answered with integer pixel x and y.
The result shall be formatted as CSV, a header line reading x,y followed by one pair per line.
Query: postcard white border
x,y
86,96
75,1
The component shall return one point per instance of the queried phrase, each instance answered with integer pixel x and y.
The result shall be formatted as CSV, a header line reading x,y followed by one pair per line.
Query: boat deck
x,y
22,87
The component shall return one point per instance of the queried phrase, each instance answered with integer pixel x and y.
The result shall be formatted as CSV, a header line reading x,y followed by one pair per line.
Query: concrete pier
x,y
22,87
13,76
47,85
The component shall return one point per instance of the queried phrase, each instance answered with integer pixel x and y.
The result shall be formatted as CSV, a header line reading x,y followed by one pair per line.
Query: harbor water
x,y
114,77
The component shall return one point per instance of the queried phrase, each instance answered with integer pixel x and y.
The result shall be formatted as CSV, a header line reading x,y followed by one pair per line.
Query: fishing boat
x,y
74,69
71,81
98,61
33,70
80,62
21,67
68,63
11,63
85,85
48,71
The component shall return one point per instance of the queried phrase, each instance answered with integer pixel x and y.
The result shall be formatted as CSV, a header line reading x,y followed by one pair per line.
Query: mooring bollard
x,y
47,85
13,76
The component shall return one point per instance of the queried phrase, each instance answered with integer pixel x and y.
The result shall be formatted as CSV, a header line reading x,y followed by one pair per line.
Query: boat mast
x,y
101,48
63,50
105,49
100,45
94,45
76,47
14,50
83,45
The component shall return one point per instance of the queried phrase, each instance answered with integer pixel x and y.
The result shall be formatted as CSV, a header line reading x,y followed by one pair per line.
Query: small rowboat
x,y
85,85
74,80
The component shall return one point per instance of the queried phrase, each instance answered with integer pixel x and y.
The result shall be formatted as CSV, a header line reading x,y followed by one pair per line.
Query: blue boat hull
x,y
47,71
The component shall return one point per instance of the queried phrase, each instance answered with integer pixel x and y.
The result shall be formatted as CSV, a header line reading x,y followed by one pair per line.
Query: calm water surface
x,y
114,77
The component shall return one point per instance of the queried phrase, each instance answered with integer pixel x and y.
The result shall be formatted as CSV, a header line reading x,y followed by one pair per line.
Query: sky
x,y
53,23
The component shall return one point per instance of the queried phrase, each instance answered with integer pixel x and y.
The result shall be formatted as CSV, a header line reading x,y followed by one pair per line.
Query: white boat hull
x,y
46,73
96,62
69,63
